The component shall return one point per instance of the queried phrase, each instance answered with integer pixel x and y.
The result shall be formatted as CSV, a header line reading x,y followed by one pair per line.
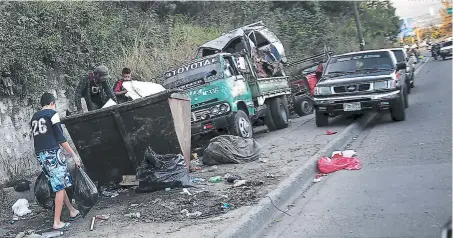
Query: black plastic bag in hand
x,y
158,172
43,192
85,192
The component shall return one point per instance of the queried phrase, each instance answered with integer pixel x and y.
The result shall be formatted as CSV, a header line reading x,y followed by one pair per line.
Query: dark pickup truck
x,y
362,81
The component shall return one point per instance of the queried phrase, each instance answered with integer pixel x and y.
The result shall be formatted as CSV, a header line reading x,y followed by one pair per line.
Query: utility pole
x,y
359,28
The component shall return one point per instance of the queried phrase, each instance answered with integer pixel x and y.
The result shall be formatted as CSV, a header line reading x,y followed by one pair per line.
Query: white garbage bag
x,y
20,208
138,89
109,103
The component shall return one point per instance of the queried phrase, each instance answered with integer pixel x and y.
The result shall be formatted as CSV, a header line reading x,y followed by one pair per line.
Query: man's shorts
x,y
53,163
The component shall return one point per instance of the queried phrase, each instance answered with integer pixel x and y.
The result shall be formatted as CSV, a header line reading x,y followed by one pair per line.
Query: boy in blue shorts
x,y
48,137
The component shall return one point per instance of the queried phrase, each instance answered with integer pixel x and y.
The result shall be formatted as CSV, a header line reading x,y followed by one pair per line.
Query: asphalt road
x,y
404,187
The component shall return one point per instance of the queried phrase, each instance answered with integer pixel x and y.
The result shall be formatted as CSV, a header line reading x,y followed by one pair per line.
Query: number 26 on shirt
x,y
39,126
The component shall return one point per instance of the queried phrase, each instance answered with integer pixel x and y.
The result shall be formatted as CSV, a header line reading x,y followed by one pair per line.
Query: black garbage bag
x,y
85,192
228,149
158,172
43,192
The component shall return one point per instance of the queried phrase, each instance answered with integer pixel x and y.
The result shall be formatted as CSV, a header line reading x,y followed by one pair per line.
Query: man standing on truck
x,y
95,88
118,89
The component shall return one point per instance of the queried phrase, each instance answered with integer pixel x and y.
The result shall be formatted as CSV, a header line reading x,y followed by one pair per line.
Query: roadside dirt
x,y
163,212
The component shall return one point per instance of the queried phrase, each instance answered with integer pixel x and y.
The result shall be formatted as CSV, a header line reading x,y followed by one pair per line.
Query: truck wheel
x,y
398,110
443,57
321,119
241,125
279,113
303,106
268,121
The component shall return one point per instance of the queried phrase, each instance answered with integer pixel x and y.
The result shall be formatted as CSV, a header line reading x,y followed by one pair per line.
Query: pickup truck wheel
x,y
406,97
408,88
321,119
279,113
241,125
303,105
398,110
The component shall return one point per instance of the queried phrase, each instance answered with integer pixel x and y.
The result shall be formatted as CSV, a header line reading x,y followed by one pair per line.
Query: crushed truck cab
x,y
227,96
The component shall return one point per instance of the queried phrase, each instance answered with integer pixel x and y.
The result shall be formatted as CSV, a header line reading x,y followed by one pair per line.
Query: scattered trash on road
x,y
269,175
344,153
225,205
262,160
133,215
198,180
191,215
103,217
212,168
52,234
318,178
186,191
232,178
20,208
167,189
110,194
338,162
215,179
239,183
228,149
330,132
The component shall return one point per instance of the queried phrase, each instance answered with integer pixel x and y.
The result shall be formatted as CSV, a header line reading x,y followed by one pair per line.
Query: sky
x,y
416,8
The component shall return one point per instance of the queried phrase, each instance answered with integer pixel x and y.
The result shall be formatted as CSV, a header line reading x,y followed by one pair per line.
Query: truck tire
x,y
279,113
241,125
321,119
408,87
303,105
443,57
398,110
268,121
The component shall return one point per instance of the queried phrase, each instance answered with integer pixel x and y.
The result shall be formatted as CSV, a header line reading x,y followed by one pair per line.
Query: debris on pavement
x,y
198,180
191,215
20,208
92,223
225,205
215,179
269,175
330,132
158,172
239,183
338,162
186,191
133,215
345,153
262,160
167,189
52,234
227,149
103,217
110,194
232,178
318,177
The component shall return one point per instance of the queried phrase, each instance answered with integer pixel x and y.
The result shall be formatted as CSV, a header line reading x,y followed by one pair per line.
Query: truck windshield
x,y
357,62
191,72
399,54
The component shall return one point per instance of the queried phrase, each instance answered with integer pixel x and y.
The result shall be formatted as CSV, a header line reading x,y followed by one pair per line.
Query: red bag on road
x,y
338,162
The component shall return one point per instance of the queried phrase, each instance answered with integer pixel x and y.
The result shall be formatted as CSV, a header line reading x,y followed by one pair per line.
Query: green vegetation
x,y
50,44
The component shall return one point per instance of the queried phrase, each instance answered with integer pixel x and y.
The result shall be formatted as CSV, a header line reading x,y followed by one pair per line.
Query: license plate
x,y
354,106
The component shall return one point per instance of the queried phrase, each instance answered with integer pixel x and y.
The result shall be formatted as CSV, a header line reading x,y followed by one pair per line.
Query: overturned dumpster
x,y
112,141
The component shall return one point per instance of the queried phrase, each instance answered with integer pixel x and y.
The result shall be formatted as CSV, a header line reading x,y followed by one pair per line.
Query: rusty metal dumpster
x,y
111,141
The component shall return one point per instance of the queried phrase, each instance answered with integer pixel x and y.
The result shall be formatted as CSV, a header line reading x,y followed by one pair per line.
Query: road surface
x,y
404,187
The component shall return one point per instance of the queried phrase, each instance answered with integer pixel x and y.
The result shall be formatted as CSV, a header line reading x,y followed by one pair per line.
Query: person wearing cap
x,y
95,88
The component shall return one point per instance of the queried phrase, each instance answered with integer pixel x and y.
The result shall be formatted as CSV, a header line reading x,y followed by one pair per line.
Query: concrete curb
x,y
300,180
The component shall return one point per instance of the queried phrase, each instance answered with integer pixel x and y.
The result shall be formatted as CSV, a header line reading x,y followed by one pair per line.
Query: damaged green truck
x,y
230,85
